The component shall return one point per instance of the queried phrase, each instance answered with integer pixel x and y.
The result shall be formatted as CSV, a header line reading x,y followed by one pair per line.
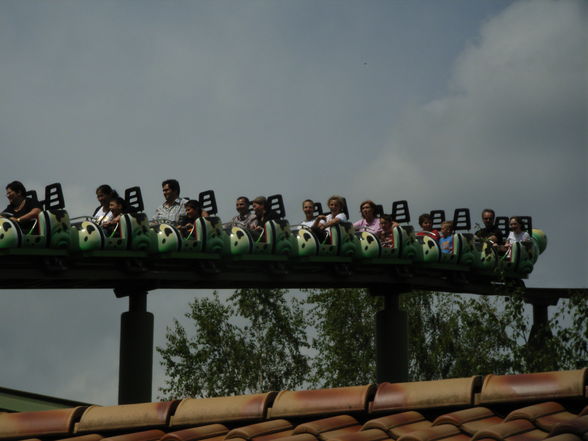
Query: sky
x,y
444,103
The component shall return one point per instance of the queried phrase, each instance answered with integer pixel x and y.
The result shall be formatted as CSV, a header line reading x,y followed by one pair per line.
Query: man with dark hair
x,y
490,231
244,217
173,207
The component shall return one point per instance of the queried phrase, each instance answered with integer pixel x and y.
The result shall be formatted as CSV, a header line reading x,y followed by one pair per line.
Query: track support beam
x,y
136,349
391,338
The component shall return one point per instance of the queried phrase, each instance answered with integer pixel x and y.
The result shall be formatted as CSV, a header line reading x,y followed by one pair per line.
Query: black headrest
x,y
379,210
501,222
318,209
438,217
345,209
32,194
527,223
54,197
461,219
400,212
134,199
275,203
208,201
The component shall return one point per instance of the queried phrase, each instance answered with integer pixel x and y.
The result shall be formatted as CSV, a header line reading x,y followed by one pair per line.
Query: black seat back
x,y
438,217
208,202
501,222
275,203
379,210
345,209
461,219
134,200
527,223
400,212
318,209
32,194
54,197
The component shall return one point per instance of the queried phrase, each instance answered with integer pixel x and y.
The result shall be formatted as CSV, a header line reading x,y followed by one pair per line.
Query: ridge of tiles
x,y
359,413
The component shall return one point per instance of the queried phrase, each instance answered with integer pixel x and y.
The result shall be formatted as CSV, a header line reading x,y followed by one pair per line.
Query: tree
x,y
253,342
267,347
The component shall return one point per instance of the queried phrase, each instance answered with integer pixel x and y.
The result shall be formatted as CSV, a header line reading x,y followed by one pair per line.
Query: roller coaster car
x,y
276,237
206,234
131,233
51,229
523,255
404,242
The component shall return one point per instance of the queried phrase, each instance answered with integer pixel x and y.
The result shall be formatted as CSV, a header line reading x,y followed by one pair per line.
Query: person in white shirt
x,y
335,216
102,213
516,234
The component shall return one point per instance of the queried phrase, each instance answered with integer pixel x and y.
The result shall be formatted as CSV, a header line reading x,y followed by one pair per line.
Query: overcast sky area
x,y
447,104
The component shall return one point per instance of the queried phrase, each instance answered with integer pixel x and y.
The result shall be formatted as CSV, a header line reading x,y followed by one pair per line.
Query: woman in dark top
x,y
193,212
22,210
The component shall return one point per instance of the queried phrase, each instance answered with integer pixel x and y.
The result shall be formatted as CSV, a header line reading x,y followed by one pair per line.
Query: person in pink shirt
x,y
369,221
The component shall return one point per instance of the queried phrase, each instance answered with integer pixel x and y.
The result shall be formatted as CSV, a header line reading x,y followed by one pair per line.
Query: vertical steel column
x,y
391,338
136,349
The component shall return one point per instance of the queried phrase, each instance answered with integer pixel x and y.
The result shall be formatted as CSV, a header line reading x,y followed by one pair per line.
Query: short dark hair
x,y
519,221
17,187
245,198
173,184
488,210
387,217
307,200
121,202
193,203
425,216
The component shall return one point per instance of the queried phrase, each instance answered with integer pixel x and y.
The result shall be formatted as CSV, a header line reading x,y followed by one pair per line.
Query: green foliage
x,y
258,340
253,342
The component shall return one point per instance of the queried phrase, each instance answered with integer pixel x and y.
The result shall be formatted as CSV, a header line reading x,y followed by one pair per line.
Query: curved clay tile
x,y
363,435
321,402
577,426
147,435
259,429
425,394
127,416
434,433
197,433
544,415
531,387
471,420
193,411
523,430
41,423
331,424
398,424
564,437
90,437
300,437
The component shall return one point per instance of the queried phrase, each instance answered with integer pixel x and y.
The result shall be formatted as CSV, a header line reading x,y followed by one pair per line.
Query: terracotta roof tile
x,y
334,424
534,387
363,435
148,435
321,402
517,430
256,430
126,416
470,420
197,433
40,423
425,394
91,437
544,415
300,437
398,424
564,437
193,411
578,426
433,433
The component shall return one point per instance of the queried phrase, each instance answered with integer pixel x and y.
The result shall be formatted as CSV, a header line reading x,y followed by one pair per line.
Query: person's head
x,y
308,208
515,224
116,205
193,209
335,204
426,222
104,193
15,191
259,205
386,222
368,210
446,228
171,189
242,205
488,217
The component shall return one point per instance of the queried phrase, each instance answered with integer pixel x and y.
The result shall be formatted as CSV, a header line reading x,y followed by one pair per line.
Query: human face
x,y
115,208
308,208
242,206
102,198
169,194
427,225
334,206
385,225
445,230
191,212
515,226
13,196
367,212
488,219
258,209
